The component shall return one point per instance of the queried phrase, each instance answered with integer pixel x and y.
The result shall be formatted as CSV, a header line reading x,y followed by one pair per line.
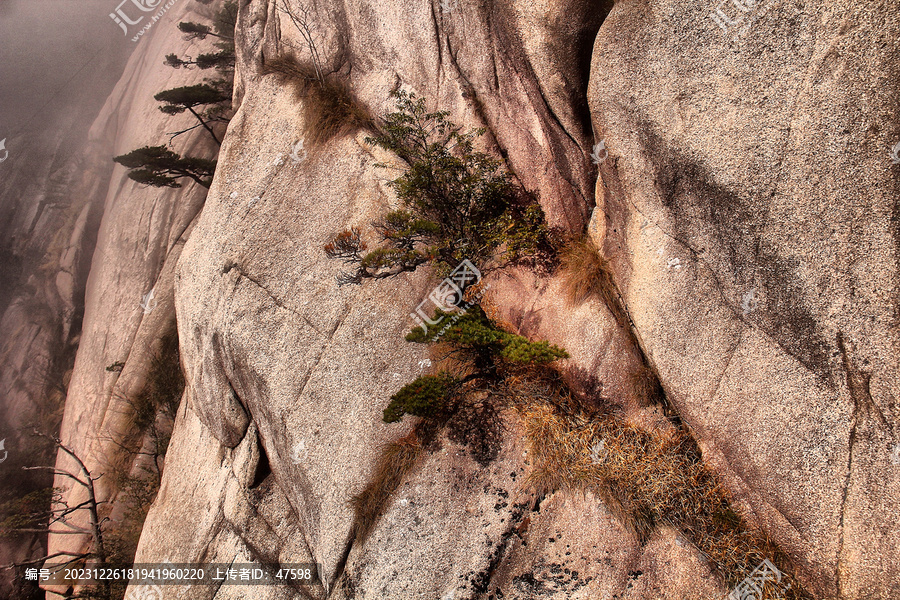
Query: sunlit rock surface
x,y
749,206
745,198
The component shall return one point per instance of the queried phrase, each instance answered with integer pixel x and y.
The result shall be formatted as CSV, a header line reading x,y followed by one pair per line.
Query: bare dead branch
x,y
301,20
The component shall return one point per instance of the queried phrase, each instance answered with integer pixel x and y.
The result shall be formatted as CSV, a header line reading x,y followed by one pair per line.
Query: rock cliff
x,y
743,198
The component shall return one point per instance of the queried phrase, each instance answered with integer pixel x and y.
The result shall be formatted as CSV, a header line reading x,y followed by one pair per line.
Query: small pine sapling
x,y
490,354
457,201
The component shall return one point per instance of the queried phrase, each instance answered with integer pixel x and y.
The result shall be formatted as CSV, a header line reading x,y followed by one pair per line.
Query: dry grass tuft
x,y
396,460
585,272
646,387
330,111
329,107
645,480
292,72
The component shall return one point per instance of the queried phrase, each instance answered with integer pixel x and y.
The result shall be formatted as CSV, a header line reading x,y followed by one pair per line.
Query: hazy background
x,y
59,60
57,57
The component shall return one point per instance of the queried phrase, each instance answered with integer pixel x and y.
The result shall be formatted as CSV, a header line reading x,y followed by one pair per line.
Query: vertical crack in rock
x,y
437,39
519,521
858,383
340,567
731,354
508,55
863,405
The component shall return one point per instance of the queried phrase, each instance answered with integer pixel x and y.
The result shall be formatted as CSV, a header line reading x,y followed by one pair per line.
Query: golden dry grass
x,y
291,72
396,460
329,107
645,386
331,110
585,273
645,480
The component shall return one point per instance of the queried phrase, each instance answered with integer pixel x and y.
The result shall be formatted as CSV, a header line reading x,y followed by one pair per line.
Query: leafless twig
x,y
300,17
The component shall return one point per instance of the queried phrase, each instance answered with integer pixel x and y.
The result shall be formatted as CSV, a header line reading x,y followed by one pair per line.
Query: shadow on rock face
x,y
724,231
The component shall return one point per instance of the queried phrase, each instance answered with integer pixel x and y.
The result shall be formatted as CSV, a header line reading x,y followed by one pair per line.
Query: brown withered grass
x,y
587,274
330,108
646,480
396,460
645,386
583,269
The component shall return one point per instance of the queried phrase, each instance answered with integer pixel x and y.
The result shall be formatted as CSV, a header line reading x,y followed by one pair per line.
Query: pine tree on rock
x,y
158,166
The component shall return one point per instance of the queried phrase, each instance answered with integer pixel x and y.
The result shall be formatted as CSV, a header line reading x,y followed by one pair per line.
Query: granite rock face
x,y
760,283
749,207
